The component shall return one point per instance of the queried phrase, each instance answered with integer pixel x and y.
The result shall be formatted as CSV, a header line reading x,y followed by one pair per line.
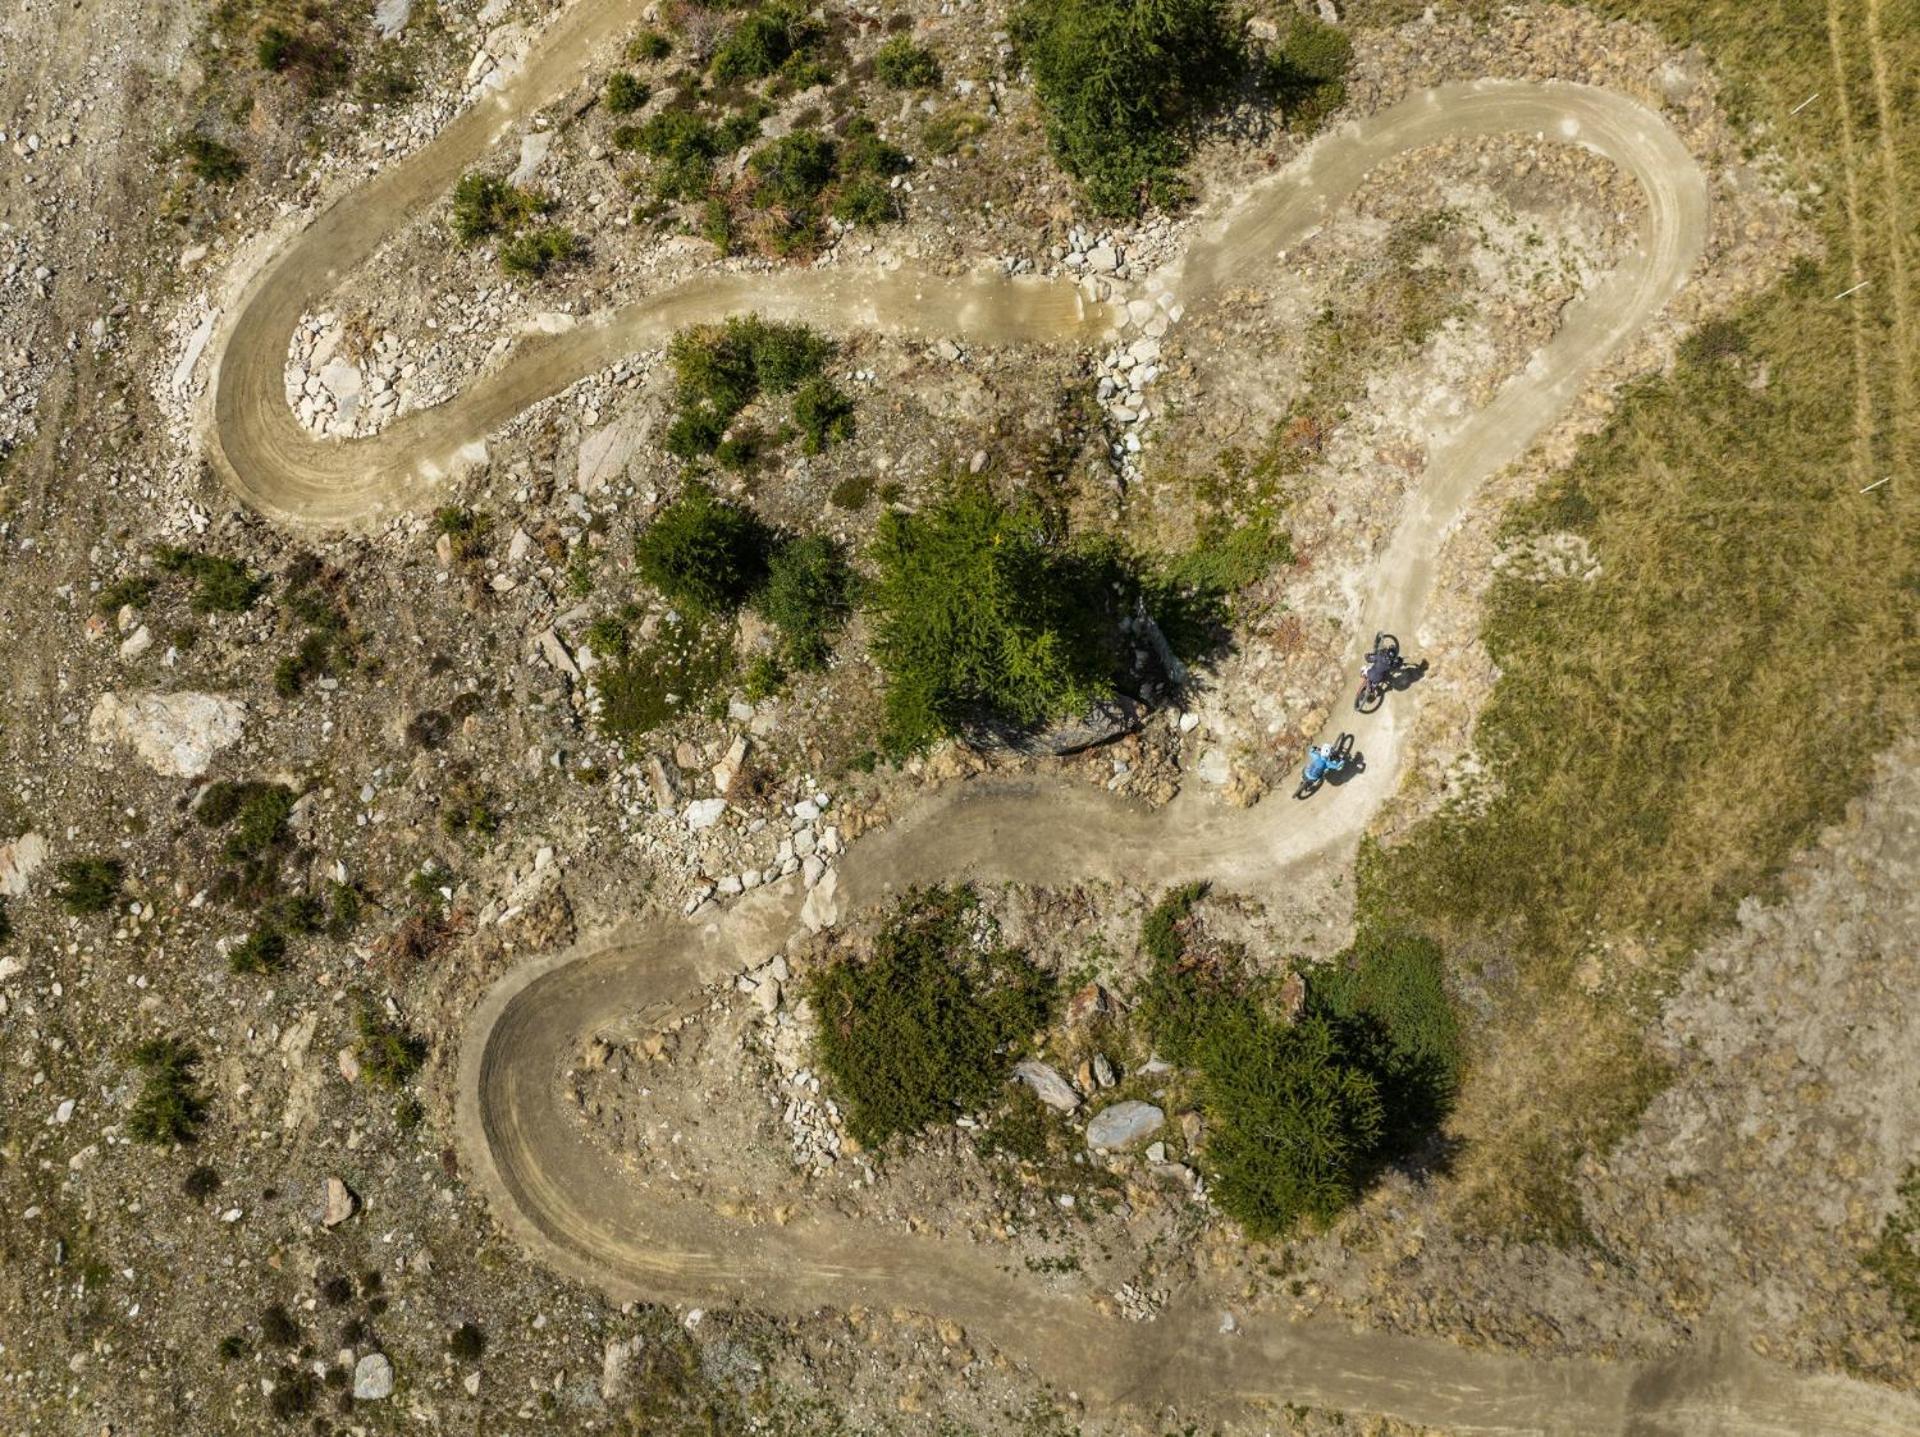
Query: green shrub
x,y
931,1023
950,130
719,370
89,885
648,46
134,591
979,613
761,43
1300,1114
169,1107
853,492
625,93
823,414
486,205
221,586
763,679
536,253
1120,81
6,923
683,147
808,595
470,812
905,65
388,1053
257,811
704,554
792,171
866,202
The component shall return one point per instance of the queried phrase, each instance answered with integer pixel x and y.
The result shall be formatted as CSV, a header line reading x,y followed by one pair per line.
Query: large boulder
x,y
174,734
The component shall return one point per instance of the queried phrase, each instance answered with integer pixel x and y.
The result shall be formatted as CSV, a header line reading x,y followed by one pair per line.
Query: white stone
x,y
18,860
372,1378
703,813
175,734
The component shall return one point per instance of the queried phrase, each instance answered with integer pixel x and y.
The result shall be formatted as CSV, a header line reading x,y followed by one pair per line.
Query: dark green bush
x,y
536,253
200,1183
278,1327
704,554
467,1343
683,147
1121,81
866,201
761,43
169,1107
808,595
487,205
905,65
647,46
792,171
931,1023
133,590
823,414
262,951
1300,1114
980,613
388,1053
625,93
89,885
6,923
1292,1120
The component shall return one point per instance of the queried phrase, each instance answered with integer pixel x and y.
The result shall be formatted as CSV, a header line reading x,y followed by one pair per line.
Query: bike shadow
x,y
1356,764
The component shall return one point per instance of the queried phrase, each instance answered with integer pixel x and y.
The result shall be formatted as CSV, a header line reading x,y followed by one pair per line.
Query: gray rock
x,y
1102,723
703,813
1103,1073
1124,1124
373,1378
1048,1086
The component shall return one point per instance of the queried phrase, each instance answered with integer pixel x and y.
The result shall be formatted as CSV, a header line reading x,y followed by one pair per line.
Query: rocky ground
x,y
321,1219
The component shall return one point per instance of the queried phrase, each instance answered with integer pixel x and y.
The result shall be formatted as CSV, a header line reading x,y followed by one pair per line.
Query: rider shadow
x,y
1407,675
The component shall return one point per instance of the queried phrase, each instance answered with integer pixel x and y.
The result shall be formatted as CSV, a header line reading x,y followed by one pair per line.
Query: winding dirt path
x,y
574,1208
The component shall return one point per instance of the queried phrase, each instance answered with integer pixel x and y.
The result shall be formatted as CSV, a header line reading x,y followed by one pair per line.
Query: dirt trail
x,y
568,1202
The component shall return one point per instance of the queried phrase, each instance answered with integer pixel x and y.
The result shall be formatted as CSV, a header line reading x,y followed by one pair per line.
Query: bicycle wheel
x,y
1369,698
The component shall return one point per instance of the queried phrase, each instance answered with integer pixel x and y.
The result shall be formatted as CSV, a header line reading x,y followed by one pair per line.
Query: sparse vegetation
x,y
388,1053
931,1022
649,46
1895,1258
720,370
169,1108
643,684
220,586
